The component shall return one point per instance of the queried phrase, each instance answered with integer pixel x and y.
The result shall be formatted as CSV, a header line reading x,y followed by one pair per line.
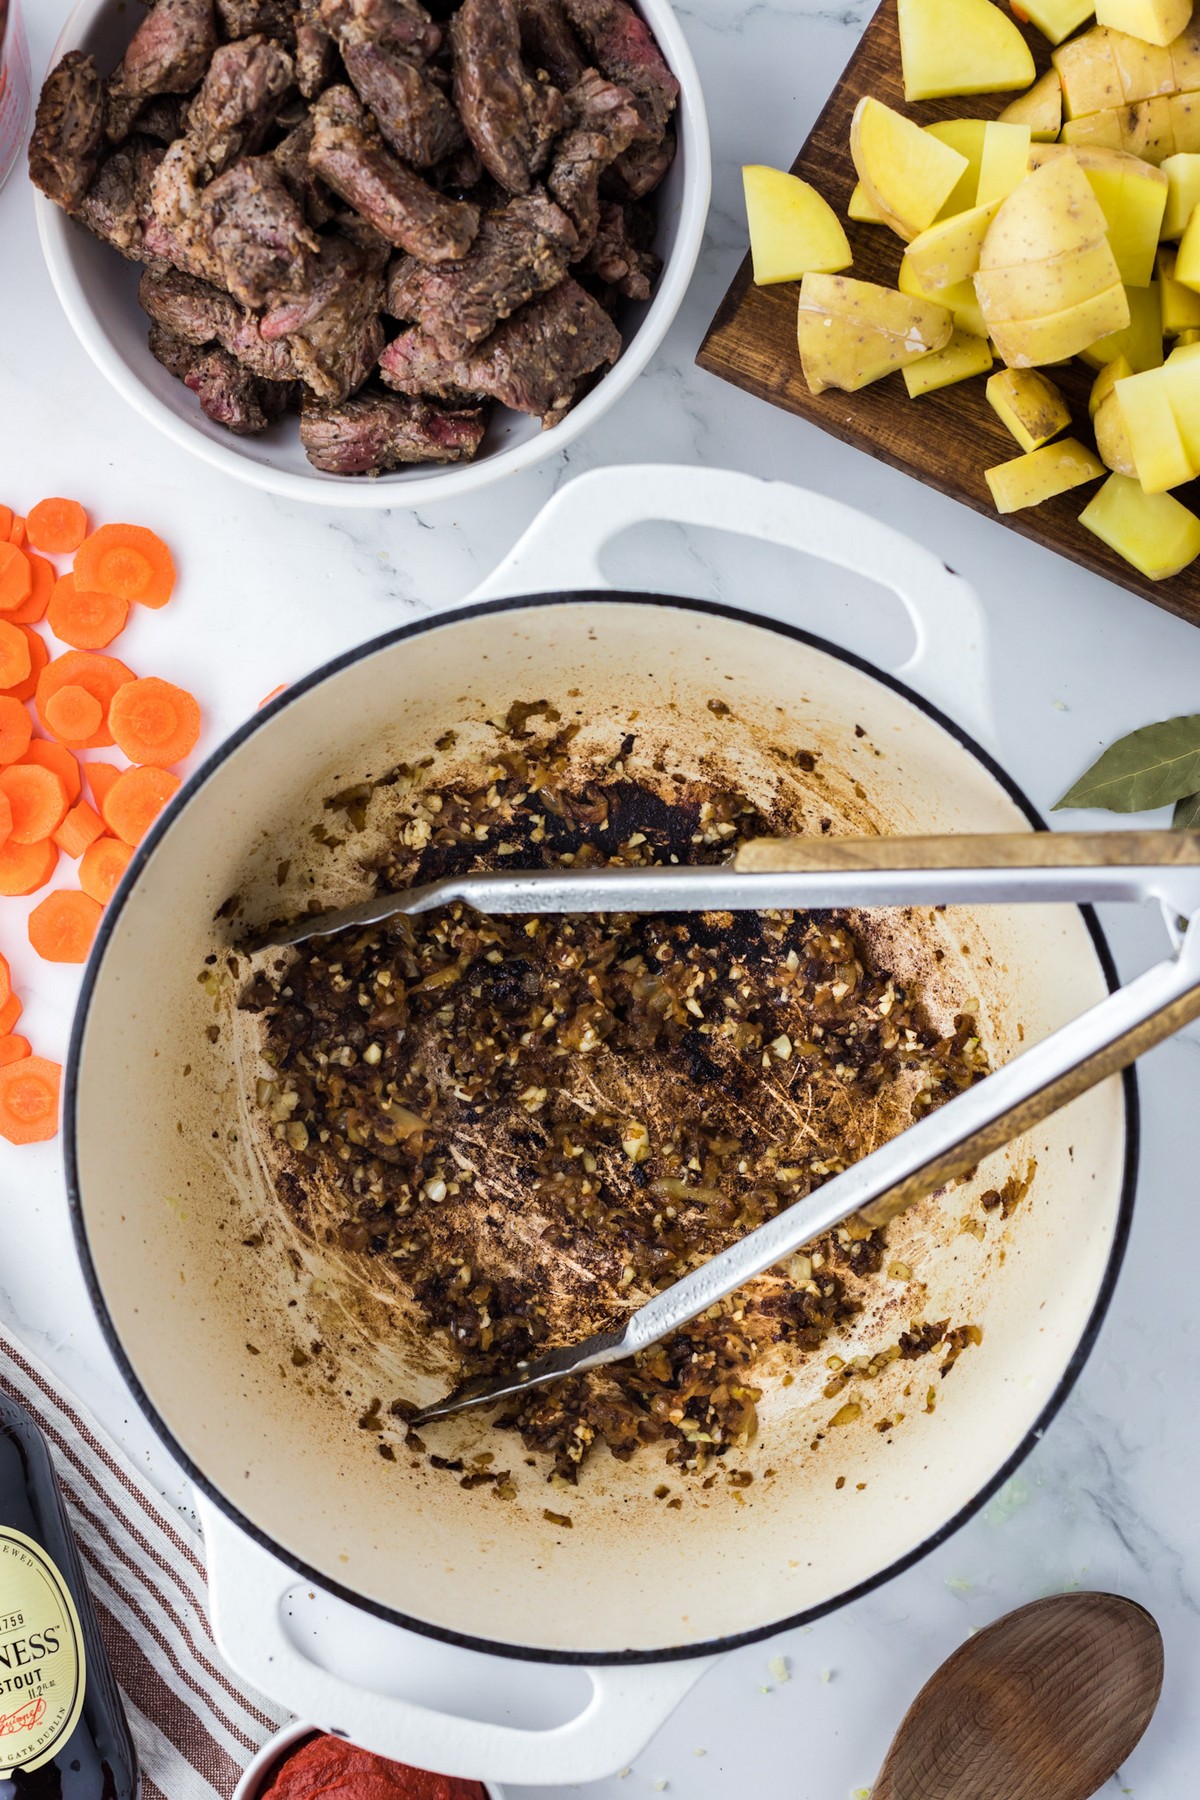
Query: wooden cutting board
x,y
946,439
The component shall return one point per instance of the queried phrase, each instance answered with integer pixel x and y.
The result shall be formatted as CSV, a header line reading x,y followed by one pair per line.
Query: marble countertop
x,y
270,589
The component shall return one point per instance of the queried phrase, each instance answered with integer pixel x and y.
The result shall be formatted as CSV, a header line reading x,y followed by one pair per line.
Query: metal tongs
x,y
818,873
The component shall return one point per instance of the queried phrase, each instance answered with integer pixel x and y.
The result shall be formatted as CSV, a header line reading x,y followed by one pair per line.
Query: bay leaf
x,y
1151,767
1187,813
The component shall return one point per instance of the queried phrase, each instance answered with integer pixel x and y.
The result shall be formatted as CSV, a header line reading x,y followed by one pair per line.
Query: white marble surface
x,y
268,590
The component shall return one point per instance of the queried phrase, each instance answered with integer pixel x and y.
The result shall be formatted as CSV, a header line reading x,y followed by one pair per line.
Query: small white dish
x,y
272,1752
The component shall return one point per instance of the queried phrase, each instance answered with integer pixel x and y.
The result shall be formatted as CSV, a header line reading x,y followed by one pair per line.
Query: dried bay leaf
x,y
1152,767
1187,813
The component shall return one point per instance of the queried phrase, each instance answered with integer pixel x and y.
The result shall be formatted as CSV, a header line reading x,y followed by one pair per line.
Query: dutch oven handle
x,y
248,1587
562,549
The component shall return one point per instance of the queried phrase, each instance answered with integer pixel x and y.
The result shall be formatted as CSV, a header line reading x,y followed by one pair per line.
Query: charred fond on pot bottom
x,y
539,1122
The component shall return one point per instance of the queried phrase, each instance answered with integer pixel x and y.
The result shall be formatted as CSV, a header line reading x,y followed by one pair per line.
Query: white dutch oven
x,y
378,1598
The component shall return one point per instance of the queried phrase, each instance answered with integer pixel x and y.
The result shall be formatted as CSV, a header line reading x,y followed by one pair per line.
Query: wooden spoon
x,y
1046,1704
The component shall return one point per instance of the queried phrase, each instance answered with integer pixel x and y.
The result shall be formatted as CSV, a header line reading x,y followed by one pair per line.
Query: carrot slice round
x,y
73,714
24,868
16,729
39,656
16,577
56,526
102,866
135,800
154,721
85,620
101,676
57,757
29,1100
10,1012
16,658
127,560
43,579
17,534
5,819
13,1048
62,926
38,801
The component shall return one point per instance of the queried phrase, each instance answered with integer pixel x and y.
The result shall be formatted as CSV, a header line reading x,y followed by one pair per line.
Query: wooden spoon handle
x,y
1003,850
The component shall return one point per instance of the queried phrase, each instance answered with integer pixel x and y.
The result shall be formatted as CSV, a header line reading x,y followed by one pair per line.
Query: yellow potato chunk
x,y
1112,439
1004,163
1088,72
861,209
960,358
908,174
1157,21
853,332
1106,380
1181,376
1041,474
1153,532
949,251
1029,405
1155,445
1185,125
960,47
1144,69
1148,129
1140,342
1053,213
1187,259
959,298
1185,58
792,229
1057,19
1101,129
1041,108
1031,290
967,137
1027,343
1132,197
1180,304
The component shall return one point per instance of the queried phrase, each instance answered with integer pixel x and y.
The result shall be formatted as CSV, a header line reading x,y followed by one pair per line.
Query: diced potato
x,y
1185,124
1004,163
1180,305
1158,451
1132,196
967,137
1181,377
1106,380
1031,290
1041,474
862,209
1029,405
949,251
1148,129
908,174
1153,532
792,229
1101,129
1183,192
852,332
959,298
1041,108
1112,439
1144,69
959,359
1052,213
1157,21
961,47
1088,72
1140,342
1028,343
1057,19
1185,57
1187,259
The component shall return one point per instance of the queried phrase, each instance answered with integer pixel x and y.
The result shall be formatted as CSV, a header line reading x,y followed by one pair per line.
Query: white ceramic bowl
x,y
249,1787
98,290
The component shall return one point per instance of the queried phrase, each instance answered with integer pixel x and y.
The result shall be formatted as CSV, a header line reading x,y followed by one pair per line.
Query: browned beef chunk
x,y
349,156
523,249
117,204
161,118
228,393
535,362
167,54
602,121
375,432
336,333
412,113
274,18
290,157
316,58
68,131
549,43
202,314
623,48
618,258
404,24
511,118
257,232
641,168
238,101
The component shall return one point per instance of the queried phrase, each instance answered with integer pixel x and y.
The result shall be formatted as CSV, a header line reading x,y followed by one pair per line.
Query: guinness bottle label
x,y
42,1665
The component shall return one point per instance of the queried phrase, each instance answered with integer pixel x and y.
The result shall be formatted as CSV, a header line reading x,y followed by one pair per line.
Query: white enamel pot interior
x,y
98,292
167,1177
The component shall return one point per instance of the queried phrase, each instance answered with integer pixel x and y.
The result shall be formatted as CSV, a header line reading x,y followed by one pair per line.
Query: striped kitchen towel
x,y
196,1725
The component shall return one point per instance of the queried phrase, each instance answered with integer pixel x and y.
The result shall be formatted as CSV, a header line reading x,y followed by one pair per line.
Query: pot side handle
x,y
562,549
247,1586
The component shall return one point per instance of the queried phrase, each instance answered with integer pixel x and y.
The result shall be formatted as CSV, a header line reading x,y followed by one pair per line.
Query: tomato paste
x,y
328,1768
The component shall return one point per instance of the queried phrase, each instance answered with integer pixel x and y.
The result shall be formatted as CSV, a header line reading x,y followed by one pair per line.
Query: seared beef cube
x,y
549,43
290,157
117,204
375,432
602,121
523,249
316,58
167,54
257,232
412,113
339,347
228,393
202,314
348,155
238,101
534,362
617,260
623,48
68,131
511,118
161,118
641,168
274,18
404,24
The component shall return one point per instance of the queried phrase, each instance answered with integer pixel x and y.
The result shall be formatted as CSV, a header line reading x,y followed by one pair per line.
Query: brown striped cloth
x,y
195,1724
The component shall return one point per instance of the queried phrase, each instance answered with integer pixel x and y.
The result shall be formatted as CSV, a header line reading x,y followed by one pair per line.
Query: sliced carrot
x,y
62,926
10,1012
273,695
16,729
16,658
73,714
12,1049
102,866
18,534
135,800
154,721
57,526
57,757
81,827
100,777
5,980
127,560
24,868
33,610
5,819
16,577
88,621
39,656
29,1100
6,518
38,800
101,676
